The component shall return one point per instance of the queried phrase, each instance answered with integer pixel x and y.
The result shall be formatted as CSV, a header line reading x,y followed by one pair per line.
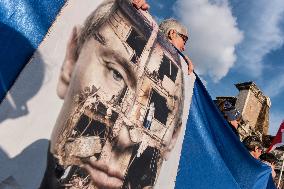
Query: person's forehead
x,y
114,42
183,31
111,36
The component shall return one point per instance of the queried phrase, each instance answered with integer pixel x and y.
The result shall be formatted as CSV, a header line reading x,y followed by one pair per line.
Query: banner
x,y
124,95
23,25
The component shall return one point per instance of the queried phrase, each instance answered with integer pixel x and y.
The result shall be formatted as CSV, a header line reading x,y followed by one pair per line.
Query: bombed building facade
x,y
254,107
148,105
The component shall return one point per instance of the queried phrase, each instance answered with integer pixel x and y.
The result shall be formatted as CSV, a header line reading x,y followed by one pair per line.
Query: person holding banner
x,y
231,114
141,4
253,145
177,35
271,160
277,142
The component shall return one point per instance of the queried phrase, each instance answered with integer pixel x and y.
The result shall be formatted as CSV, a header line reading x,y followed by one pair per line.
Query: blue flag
x,y
23,25
212,155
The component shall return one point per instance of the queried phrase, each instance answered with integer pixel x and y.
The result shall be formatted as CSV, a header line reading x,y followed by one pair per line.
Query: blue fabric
x,y
212,155
23,25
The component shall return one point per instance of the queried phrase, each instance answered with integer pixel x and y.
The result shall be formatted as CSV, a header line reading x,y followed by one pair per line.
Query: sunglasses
x,y
184,37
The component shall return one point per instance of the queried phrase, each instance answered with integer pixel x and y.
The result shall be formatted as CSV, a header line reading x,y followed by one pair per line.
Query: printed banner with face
x,y
123,94
123,91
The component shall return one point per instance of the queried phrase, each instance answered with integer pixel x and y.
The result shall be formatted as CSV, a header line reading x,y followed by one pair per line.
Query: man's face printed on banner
x,y
123,100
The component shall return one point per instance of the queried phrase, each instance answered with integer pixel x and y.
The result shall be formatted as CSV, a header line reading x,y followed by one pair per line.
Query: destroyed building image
x,y
149,107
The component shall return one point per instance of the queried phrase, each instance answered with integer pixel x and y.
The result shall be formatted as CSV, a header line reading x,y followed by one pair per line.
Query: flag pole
x,y
281,171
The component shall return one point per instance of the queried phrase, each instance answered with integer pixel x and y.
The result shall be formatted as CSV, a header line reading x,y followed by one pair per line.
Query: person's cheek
x,y
112,87
88,74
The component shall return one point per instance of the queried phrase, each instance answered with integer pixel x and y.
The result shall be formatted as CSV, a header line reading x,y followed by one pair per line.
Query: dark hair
x,y
268,157
93,22
251,142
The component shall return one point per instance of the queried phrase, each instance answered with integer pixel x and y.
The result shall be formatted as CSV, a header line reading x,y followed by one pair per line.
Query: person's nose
x,y
182,48
123,139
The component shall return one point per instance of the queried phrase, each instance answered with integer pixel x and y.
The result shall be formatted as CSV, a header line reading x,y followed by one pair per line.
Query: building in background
x,y
254,107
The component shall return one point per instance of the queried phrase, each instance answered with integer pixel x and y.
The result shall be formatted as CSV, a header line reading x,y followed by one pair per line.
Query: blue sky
x,y
233,41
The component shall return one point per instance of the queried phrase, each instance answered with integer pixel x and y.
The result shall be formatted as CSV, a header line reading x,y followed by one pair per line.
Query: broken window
x,y
161,108
122,94
143,171
102,109
86,126
137,42
168,68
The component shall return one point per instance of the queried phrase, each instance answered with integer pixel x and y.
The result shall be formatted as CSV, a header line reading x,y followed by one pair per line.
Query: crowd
x,y
252,143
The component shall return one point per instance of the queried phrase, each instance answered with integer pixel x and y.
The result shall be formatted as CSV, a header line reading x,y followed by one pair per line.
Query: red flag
x,y
278,139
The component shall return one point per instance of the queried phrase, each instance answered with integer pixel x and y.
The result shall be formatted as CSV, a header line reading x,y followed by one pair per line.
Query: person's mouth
x,y
104,176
